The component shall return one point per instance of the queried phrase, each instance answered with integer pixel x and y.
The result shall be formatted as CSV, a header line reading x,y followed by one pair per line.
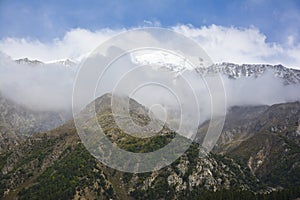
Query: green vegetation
x,y
3,159
144,145
286,194
240,170
60,181
161,188
201,194
286,172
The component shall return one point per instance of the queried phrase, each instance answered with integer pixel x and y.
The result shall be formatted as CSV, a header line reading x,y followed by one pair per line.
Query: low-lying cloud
x,y
264,90
50,86
42,87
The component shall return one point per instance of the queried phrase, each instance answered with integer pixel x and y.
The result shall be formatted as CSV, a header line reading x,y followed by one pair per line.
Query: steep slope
x,y
266,139
240,124
55,165
273,153
24,121
18,122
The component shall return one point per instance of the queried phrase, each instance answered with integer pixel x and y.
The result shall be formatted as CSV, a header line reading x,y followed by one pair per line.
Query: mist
x,y
44,87
264,90
49,87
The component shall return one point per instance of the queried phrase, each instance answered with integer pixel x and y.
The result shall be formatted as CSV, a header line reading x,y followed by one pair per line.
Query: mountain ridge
x,y
266,139
236,71
65,62
231,70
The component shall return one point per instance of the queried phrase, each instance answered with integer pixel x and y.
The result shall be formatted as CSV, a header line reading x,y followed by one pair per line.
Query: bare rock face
x,y
24,121
211,173
18,122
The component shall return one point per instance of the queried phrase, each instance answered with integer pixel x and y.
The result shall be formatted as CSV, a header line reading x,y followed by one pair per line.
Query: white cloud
x,y
75,44
241,45
46,87
223,44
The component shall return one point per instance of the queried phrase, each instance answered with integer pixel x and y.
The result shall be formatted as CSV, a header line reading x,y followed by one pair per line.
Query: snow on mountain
x,y
65,62
28,61
235,71
161,59
231,70
179,64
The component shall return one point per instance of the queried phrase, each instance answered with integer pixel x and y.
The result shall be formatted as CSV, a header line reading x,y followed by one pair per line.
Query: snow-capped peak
x,y
28,61
235,71
161,59
66,62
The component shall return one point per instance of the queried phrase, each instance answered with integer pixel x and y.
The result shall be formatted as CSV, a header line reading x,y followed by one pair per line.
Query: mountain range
x,y
65,62
235,71
231,70
55,164
256,157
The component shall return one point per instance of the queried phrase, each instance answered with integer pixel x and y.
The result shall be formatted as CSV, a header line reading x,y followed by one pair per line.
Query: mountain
x,y
256,157
266,139
235,71
28,61
56,165
65,62
230,70
18,122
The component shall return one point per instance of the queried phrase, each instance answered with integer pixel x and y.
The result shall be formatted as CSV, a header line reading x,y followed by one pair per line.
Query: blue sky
x,y
45,20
